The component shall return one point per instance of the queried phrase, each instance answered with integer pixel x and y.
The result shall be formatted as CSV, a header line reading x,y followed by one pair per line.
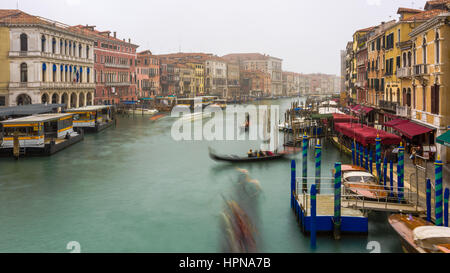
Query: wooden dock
x,y
381,206
325,206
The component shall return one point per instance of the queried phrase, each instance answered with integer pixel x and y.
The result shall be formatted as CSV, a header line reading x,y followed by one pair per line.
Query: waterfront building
x,y
167,77
348,71
358,43
343,71
147,72
233,80
263,63
216,76
289,87
361,66
255,83
115,66
185,79
304,83
44,61
430,78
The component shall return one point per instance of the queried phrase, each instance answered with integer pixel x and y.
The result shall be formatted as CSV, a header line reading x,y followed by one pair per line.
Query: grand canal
x,y
133,188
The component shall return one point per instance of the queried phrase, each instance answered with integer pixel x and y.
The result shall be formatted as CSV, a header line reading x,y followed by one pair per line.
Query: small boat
x,y
156,117
142,111
420,236
235,158
363,183
340,146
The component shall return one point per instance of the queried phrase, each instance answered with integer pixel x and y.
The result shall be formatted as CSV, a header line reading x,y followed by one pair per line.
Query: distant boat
x,y
236,158
141,111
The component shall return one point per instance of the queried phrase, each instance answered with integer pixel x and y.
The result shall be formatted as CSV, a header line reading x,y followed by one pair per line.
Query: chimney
x,y
115,33
129,40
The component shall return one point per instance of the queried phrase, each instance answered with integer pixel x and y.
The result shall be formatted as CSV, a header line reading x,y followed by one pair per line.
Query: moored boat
x,y
418,235
249,158
364,184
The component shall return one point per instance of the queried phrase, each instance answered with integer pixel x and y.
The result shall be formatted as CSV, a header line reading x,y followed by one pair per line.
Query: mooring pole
x,y
385,172
438,186
391,176
305,163
361,155
357,154
428,200
318,164
292,182
446,195
400,170
353,153
337,201
378,156
313,216
366,161
370,161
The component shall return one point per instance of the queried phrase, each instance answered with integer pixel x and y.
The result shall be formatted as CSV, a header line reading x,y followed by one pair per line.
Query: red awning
x,y
365,134
343,118
366,110
394,122
410,129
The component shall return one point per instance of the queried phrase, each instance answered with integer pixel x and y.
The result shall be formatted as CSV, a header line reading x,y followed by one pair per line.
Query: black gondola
x,y
235,158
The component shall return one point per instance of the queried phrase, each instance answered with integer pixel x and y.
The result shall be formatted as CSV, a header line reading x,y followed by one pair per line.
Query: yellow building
x,y
4,65
359,41
430,78
198,84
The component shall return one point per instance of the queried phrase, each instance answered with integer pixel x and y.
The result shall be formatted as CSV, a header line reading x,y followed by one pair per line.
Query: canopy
x,y
444,139
355,108
361,109
411,129
394,122
29,109
365,134
343,118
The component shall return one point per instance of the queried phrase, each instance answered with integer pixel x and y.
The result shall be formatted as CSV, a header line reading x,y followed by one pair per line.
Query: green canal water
x,y
133,188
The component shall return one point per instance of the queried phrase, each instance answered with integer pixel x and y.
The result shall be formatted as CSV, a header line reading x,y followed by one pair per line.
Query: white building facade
x,y
49,63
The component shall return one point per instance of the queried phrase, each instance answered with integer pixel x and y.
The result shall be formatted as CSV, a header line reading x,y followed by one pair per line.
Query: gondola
x,y
235,158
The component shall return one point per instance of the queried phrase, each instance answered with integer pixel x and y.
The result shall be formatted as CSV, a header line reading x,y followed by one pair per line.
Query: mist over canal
x,y
133,188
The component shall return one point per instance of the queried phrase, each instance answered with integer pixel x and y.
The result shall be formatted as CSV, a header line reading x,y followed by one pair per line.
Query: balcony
x,y
419,70
51,85
117,83
388,105
126,66
403,111
37,54
403,72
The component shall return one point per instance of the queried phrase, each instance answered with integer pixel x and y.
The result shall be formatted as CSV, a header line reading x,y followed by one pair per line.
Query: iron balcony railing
x,y
388,105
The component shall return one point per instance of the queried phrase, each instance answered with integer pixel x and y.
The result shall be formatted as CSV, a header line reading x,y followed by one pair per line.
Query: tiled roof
x,y
436,3
15,16
91,31
425,15
408,10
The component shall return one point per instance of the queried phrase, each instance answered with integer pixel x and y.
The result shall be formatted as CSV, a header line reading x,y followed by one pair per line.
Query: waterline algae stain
x,y
133,188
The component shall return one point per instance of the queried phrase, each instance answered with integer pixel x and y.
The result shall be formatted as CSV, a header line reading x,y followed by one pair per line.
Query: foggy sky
x,y
307,35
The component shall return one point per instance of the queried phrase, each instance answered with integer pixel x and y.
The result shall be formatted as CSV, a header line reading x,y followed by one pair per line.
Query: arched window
x,y
23,72
404,59
23,42
44,71
23,99
43,43
437,47
414,54
409,58
61,73
79,51
87,52
70,48
65,47
88,70
53,45
54,73
424,49
61,46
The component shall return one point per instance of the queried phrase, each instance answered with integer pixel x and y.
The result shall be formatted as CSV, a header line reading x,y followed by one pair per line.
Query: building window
x,y
409,58
437,47
23,72
87,52
424,49
424,98
435,99
43,43
53,45
2,100
414,96
44,68
79,51
54,73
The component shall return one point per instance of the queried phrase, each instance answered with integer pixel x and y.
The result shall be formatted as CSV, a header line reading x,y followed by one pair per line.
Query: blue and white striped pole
x,y
385,172
438,186
318,164
446,195
370,162
337,200
400,171
353,153
305,163
293,190
366,159
428,200
378,156
357,154
391,176
313,216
